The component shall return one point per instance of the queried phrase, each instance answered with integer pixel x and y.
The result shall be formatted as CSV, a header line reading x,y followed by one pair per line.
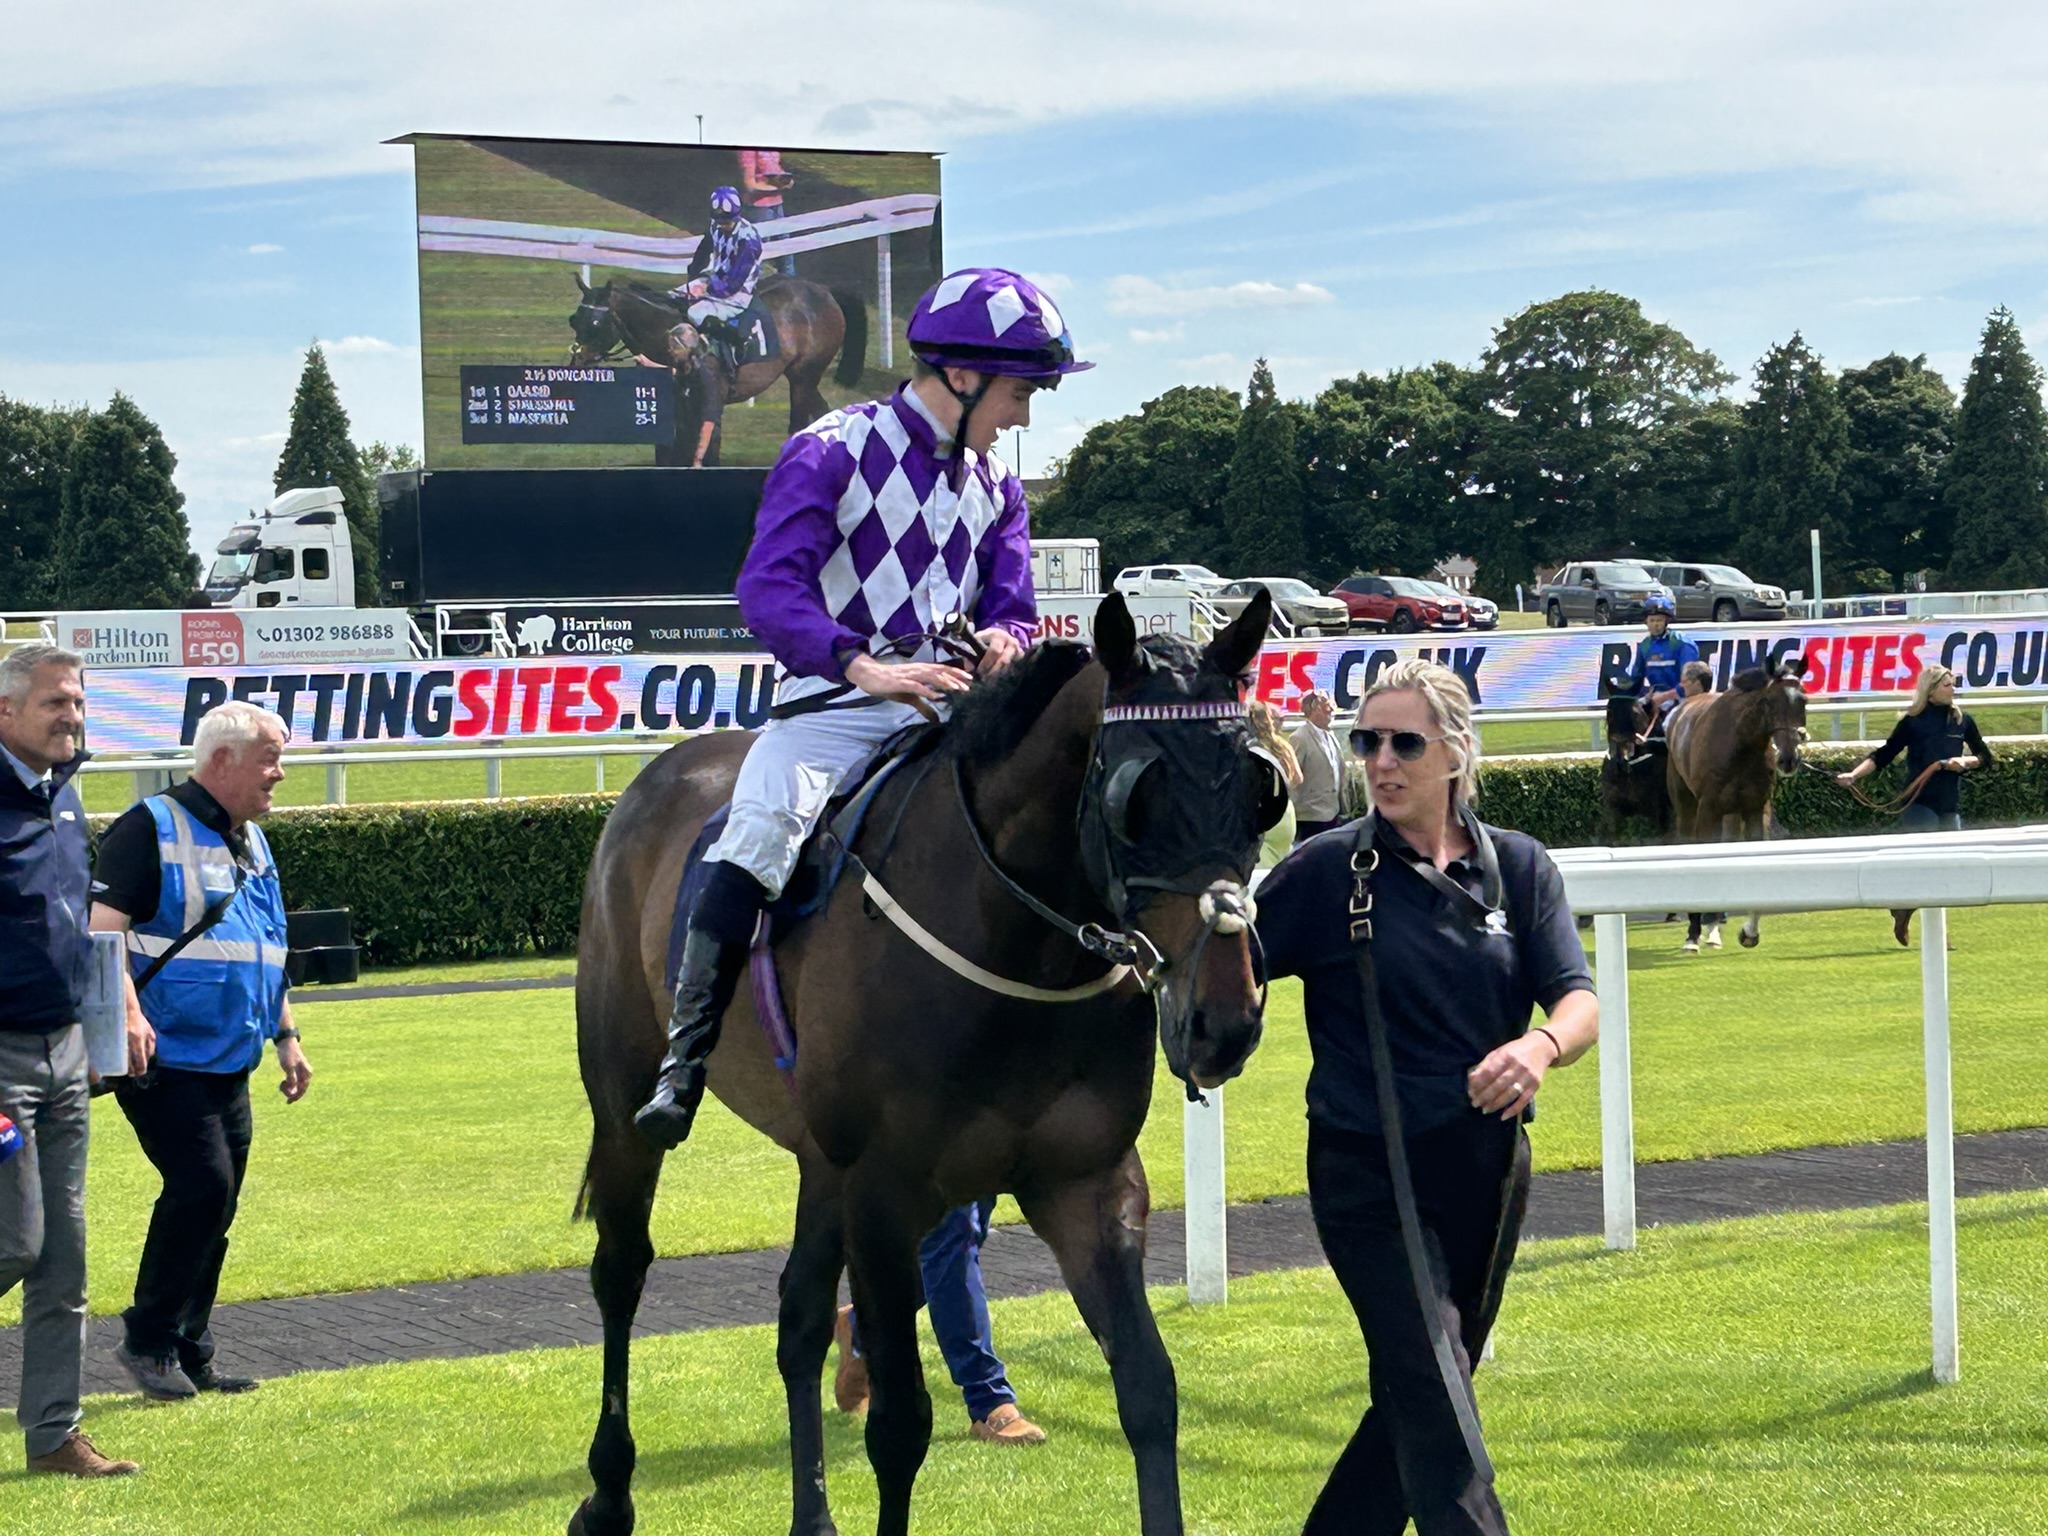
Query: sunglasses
x,y
1407,745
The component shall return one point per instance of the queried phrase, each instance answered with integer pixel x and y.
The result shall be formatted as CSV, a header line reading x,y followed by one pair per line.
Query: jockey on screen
x,y
878,521
722,273
1660,659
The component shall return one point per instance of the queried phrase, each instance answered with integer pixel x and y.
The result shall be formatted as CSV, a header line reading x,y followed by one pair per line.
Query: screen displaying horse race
x,y
598,304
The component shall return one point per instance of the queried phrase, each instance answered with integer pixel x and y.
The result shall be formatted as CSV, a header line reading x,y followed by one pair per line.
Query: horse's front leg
x,y
884,1221
1096,1228
810,1294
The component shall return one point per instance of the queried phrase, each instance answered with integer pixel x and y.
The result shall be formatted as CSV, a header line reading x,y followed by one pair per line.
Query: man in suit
x,y
1319,799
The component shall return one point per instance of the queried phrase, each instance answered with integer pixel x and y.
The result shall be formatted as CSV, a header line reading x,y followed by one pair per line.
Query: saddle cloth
x,y
810,887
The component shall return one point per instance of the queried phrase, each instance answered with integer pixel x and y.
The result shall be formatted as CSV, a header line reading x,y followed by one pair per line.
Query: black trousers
x,y
1407,1459
195,1127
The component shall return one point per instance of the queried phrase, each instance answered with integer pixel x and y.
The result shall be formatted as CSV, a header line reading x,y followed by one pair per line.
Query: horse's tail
x,y
853,352
580,1211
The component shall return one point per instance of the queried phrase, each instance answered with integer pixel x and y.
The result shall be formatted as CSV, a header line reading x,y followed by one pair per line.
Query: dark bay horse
x,y
1728,750
1115,791
812,325
1632,774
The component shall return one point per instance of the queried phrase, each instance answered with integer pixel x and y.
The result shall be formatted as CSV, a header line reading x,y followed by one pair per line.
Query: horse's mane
x,y
1750,680
994,716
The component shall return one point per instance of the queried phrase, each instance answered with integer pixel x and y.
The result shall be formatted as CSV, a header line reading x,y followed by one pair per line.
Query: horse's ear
x,y
1116,637
1232,651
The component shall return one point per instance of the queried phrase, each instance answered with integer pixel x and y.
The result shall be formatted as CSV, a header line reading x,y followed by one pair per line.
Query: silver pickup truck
x,y
1597,592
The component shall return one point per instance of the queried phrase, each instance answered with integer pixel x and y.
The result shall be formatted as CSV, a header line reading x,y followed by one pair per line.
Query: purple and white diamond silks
x,y
862,498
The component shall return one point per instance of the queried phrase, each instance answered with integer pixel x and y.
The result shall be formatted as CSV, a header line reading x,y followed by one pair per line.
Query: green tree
x,y
1902,420
1995,494
319,452
1265,500
1574,393
1149,486
1385,458
1682,506
35,448
122,538
1789,465
384,458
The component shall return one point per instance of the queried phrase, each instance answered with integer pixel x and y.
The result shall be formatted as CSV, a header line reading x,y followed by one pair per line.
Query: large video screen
x,y
583,305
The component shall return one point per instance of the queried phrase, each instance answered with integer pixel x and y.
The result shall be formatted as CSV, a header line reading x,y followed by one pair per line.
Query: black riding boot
x,y
709,975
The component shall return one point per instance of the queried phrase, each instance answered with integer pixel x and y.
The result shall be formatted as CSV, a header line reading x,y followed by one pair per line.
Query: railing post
x,y
1617,1109
600,773
1941,1146
337,783
886,329
494,778
1208,1247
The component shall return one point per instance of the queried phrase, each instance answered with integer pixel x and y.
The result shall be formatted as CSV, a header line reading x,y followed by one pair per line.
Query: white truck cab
x,y
294,554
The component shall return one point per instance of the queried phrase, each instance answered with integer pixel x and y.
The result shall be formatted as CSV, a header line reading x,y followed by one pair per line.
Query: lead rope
x,y
1364,860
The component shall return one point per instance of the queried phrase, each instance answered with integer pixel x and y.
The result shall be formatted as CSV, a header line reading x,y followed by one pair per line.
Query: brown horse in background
x,y
1728,750
919,1089
812,325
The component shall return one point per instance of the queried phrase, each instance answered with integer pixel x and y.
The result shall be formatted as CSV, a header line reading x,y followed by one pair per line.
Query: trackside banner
x,y
143,709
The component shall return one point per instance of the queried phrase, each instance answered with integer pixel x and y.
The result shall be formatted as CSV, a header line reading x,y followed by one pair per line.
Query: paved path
x,y
371,992
553,1307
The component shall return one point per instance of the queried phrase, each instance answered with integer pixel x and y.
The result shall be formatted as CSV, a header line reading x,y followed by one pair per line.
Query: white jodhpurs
x,y
793,768
719,309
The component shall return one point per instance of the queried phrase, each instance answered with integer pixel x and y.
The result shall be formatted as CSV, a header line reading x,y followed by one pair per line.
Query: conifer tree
x,y
122,538
1789,464
1263,506
319,452
35,450
1995,492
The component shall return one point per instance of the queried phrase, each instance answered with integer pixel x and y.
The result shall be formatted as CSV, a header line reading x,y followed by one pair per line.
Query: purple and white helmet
x,y
993,321
725,202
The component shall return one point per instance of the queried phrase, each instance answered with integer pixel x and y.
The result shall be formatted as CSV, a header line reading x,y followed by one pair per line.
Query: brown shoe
x,y
1007,1426
850,1381
79,1457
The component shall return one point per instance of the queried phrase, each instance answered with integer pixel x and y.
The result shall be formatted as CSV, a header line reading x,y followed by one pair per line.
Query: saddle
x,y
810,886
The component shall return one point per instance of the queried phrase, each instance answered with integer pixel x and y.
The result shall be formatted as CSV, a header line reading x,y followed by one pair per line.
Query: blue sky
x,y
193,193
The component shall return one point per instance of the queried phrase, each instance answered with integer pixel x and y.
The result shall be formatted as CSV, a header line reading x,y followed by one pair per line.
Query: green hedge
x,y
476,879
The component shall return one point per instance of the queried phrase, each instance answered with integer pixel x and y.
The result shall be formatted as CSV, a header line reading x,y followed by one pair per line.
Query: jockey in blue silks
x,y
1660,660
878,522
722,274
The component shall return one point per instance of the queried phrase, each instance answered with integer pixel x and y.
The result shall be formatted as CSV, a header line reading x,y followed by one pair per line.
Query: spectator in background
x,y
762,183
191,868
1941,743
1694,679
44,1081
1266,727
1319,799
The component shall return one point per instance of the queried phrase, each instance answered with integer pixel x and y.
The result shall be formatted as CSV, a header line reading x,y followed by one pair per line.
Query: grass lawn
x,y
1744,1379
445,1136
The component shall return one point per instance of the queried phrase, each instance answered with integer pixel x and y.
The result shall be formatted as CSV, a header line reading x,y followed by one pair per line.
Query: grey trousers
x,y
42,1223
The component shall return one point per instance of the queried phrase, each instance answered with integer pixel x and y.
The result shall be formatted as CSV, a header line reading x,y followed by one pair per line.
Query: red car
x,y
1398,603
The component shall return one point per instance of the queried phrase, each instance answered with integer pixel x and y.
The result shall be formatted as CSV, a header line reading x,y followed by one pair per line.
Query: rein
x,y
1896,805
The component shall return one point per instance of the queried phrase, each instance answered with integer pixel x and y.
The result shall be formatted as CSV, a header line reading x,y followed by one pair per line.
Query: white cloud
x,y
1132,295
1172,332
364,344
1903,95
1058,284
264,248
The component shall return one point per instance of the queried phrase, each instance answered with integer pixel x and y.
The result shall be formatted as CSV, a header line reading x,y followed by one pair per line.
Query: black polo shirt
x,y
1450,989
128,873
1933,736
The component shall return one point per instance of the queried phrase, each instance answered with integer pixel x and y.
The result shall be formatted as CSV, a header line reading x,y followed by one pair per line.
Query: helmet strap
x,y
968,399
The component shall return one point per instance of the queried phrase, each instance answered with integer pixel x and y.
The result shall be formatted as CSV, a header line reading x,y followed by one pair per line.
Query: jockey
x,y
722,273
878,522
1660,659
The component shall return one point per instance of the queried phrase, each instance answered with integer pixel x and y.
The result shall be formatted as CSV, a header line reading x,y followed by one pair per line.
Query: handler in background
x,y
43,1075
195,859
1470,932
1941,743
1318,800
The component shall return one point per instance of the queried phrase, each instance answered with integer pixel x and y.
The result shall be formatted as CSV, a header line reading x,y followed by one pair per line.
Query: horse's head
x,y
1780,703
591,323
1626,722
1175,802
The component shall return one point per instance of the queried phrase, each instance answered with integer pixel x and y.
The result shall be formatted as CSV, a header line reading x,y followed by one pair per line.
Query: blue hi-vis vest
x,y
222,995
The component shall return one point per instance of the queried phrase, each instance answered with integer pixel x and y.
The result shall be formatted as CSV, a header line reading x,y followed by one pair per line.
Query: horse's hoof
x,y
1713,940
1689,947
1749,940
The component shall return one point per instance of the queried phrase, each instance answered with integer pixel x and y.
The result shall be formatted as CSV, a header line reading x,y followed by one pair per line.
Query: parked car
x,y
1401,604
1597,592
1480,612
1306,610
1166,581
1719,592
